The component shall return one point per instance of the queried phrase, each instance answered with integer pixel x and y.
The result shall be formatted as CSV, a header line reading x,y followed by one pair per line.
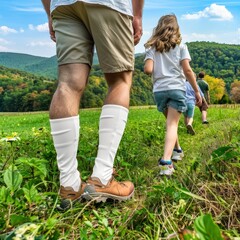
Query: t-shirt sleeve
x,y
184,52
149,54
207,87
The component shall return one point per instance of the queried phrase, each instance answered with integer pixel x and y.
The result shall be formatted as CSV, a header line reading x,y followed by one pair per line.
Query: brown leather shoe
x,y
114,190
69,197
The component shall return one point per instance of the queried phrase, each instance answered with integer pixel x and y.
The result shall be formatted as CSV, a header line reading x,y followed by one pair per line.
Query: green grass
x,y
201,200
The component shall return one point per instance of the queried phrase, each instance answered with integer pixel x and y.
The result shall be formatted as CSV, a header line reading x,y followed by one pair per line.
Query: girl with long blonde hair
x,y
167,60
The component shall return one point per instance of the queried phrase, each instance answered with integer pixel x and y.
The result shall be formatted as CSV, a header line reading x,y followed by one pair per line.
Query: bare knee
x,y
119,85
123,79
73,78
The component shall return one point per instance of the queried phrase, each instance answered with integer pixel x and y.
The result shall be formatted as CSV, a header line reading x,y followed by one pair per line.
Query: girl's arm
x,y
148,66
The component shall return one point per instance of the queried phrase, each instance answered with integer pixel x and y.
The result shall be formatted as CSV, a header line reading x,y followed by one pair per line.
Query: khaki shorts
x,y
80,26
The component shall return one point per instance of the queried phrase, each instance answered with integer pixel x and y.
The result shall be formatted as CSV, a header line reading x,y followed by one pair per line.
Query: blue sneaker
x,y
166,167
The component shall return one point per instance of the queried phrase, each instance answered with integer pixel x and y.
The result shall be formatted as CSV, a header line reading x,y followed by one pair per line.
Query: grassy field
x,y
200,201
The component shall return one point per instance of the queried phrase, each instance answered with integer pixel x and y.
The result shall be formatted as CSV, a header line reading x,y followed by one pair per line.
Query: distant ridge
x,y
216,59
42,66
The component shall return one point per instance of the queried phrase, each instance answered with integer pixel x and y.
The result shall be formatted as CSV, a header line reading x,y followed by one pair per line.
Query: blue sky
x,y
23,23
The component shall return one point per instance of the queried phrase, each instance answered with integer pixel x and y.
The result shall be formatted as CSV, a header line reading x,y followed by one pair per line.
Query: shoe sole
x,y
90,194
178,157
66,204
190,130
166,172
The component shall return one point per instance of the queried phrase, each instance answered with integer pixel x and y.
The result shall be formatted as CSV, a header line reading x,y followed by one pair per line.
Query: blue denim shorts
x,y
190,110
170,98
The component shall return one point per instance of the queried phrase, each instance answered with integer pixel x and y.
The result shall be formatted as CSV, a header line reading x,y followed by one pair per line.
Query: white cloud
x,y
30,9
199,37
6,30
214,12
3,41
42,44
31,27
39,28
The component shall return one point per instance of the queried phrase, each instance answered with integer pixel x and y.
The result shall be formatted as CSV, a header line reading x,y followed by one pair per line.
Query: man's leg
x,y
72,82
112,123
204,116
65,125
111,128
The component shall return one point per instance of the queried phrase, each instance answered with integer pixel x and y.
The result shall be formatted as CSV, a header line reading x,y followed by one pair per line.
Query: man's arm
x,y
46,5
137,19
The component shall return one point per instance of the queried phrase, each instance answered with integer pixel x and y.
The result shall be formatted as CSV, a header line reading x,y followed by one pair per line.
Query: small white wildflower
x,y
182,203
10,139
20,231
17,238
33,226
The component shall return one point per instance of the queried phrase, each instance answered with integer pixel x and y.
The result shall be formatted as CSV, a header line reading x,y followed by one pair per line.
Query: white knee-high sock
x,y
65,133
111,128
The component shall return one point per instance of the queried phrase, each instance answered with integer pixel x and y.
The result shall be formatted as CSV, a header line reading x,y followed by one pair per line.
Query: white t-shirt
x,y
123,6
167,71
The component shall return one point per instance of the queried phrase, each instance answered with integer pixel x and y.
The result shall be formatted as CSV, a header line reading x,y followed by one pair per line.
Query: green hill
x,y
29,87
41,66
22,91
19,60
217,60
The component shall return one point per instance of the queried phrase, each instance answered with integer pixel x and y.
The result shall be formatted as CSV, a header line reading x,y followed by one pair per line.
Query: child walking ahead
x,y
167,60
190,102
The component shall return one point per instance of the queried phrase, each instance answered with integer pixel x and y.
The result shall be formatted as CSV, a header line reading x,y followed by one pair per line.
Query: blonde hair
x,y
166,34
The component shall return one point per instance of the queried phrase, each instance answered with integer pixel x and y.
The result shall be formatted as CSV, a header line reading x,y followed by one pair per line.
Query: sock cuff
x,y
114,106
179,150
165,162
63,124
63,119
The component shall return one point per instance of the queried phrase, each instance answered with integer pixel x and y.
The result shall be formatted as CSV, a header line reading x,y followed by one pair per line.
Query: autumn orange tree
x,y
216,88
235,91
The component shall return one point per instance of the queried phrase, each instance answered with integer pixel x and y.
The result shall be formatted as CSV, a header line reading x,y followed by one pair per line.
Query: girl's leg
x,y
177,144
171,138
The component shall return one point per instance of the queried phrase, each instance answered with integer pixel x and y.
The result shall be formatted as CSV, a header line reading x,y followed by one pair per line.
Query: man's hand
x,y
137,29
46,5
137,20
51,32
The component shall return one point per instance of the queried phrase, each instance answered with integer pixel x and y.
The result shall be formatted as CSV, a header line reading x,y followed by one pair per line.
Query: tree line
x,y
22,91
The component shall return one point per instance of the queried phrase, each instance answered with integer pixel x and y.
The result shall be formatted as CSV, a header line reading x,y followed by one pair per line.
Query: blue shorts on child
x,y
171,98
